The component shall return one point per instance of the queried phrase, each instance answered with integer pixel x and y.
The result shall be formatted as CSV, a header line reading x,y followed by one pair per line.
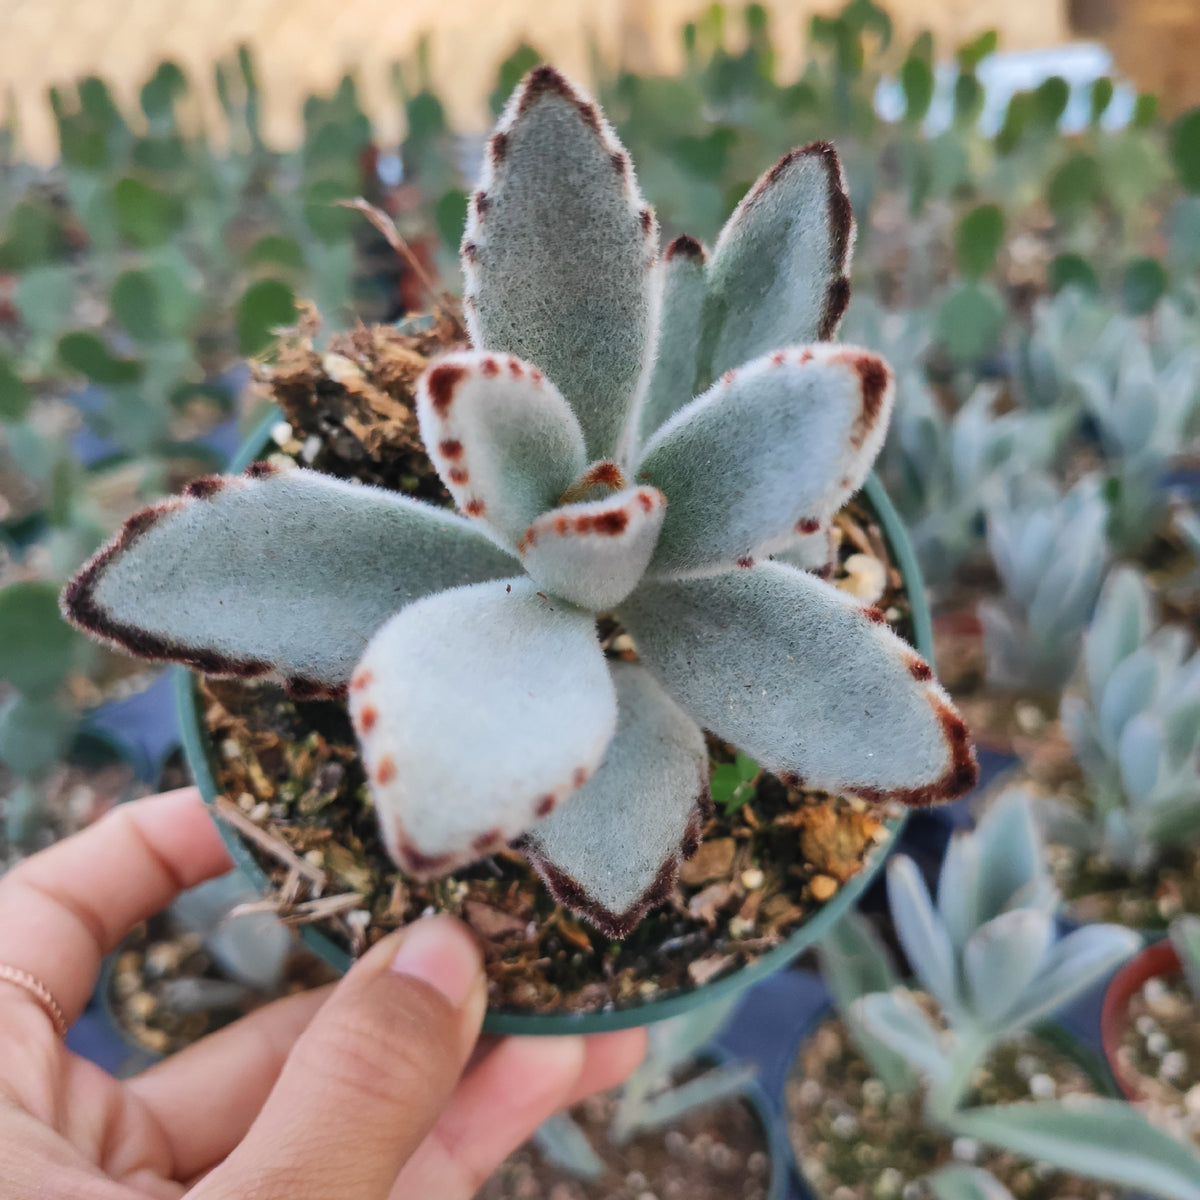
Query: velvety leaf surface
x,y
478,711
790,670
778,275
1001,959
505,443
284,574
924,938
558,253
763,453
673,378
612,850
594,553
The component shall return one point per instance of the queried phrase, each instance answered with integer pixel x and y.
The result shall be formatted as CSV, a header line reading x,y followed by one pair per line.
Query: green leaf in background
x,y
1184,144
145,215
152,304
1101,97
87,354
450,217
1145,110
45,297
277,250
37,647
34,735
916,79
1143,285
1074,187
161,90
1017,116
264,305
34,234
1072,270
968,99
321,212
1050,100
14,392
523,58
1183,224
970,321
971,54
978,239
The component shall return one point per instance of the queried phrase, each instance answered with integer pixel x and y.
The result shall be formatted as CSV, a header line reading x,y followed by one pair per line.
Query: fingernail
x,y
440,952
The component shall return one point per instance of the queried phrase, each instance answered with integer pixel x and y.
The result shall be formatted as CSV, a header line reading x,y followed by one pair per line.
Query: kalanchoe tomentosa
x,y
587,482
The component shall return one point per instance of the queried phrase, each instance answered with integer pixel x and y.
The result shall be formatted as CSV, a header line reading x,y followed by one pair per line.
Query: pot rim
x,y
1157,960
507,1021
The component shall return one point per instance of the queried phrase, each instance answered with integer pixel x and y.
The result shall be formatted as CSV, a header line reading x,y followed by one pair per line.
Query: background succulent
x,y
478,688
987,950
1136,731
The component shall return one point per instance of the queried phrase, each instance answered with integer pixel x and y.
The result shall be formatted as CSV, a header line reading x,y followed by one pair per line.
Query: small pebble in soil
x,y
1042,1087
965,1149
1174,1066
1158,1044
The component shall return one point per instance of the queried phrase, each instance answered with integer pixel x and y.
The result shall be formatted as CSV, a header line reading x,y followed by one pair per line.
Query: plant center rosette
x,y
650,457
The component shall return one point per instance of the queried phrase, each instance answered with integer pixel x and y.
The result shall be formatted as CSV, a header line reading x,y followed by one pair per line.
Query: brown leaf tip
x,y
362,680
368,717
579,777
481,202
875,615
745,562
808,525
604,473
442,381
498,147
261,470
837,300
459,476
685,246
490,367
205,486
620,162
470,252
385,770
488,842
474,508
546,805
450,449
646,220
546,81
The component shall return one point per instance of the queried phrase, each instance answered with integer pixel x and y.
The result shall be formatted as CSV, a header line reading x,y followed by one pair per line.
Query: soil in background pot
x,y
294,788
718,1154
855,1141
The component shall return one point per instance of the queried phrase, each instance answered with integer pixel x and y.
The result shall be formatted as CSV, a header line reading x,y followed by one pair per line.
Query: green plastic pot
x,y
200,760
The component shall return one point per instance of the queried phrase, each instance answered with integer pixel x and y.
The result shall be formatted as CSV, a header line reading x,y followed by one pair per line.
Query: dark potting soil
x,y
855,1141
293,784
717,1154
1161,1050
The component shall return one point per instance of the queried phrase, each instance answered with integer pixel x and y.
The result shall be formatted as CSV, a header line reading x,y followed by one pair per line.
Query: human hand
x,y
369,1089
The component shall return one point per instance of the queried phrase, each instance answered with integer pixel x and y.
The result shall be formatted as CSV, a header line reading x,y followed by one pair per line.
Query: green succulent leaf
x,y
34,734
926,943
1184,144
896,1020
264,306
558,251
727,462
87,354
491,700
145,215
1143,284
642,805
788,668
1099,1139
778,273
37,647
978,240
15,397
285,576
1001,959
966,1183
504,441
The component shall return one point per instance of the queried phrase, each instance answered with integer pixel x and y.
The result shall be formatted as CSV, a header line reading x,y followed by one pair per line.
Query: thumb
x,y
367,1079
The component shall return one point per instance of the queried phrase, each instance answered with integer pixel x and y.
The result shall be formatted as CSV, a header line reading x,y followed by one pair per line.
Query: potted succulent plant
x,y
645,454
905,1080
1149,1028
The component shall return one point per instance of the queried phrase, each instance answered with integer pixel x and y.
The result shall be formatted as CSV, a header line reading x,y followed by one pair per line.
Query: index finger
x,y
64,909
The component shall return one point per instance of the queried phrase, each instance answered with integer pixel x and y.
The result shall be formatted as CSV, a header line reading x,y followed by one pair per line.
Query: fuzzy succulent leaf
x,y
898,1021
672,380
1012,867
1072,966
643,806
1100,1139
789,669
558,252
563,1144
281,574
958,888
478,711
594,553
728,462
923,937
1001,959
1185,937
778,274
505,443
